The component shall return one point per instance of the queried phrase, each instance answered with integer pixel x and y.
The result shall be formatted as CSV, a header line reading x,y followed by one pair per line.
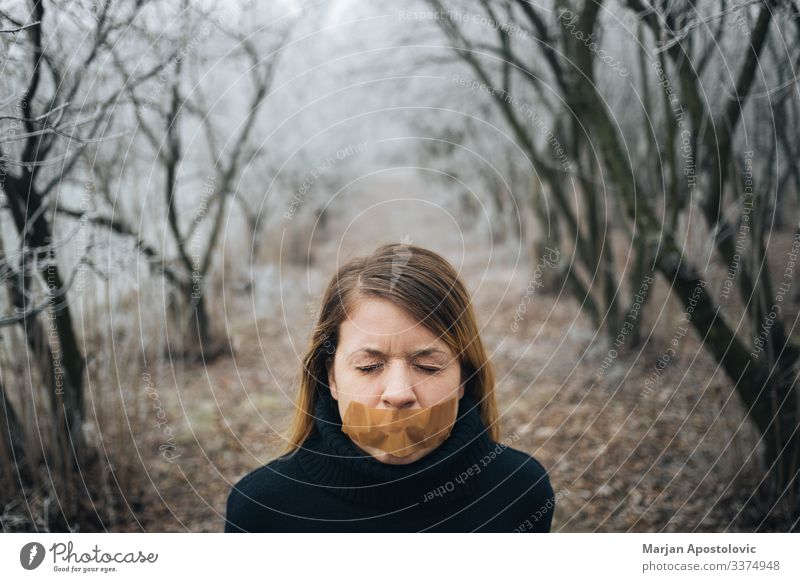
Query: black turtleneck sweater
x,y
468,483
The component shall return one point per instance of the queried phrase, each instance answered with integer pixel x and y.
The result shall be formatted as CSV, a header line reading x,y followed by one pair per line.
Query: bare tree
x,y
693,155
163,126
45,128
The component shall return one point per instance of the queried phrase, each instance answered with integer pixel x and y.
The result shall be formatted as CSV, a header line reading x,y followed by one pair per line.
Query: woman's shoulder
x,y
507,457
260,492
523,485
519,470
275,471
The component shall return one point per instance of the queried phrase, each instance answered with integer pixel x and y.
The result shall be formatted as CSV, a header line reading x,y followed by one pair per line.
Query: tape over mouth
x,y
400,432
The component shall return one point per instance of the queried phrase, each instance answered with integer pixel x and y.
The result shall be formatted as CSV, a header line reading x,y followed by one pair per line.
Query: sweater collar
x,y
333,461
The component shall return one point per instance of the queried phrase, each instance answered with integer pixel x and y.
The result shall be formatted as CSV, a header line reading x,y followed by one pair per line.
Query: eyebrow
x,y
418,353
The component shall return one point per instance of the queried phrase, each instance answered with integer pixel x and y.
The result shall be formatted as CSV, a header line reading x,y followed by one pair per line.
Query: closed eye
x,y
428,369
372,367
369,369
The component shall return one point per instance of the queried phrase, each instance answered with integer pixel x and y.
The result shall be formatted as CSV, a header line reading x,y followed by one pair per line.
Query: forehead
x,y
383,325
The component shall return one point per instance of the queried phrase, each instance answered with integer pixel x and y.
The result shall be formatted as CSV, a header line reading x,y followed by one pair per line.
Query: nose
x,y
398,391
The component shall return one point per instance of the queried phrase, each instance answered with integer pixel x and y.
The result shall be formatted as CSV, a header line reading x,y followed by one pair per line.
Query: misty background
x,y
616,182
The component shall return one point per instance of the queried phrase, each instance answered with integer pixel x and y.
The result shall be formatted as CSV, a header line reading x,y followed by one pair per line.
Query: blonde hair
x,y
425,285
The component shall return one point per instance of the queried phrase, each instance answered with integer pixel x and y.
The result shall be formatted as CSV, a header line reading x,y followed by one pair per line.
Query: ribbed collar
x,y
331,460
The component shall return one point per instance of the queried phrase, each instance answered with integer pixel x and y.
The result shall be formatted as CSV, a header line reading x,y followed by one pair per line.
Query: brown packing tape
x,y
400,432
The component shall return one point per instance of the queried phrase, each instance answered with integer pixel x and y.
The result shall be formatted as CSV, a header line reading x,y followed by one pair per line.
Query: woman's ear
x,y
461,391
331,379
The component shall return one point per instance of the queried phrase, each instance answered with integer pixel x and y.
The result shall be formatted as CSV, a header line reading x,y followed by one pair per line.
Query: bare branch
x,y
19,28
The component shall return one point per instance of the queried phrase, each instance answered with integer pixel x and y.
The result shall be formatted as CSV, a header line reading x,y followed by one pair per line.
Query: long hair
x,y
426,286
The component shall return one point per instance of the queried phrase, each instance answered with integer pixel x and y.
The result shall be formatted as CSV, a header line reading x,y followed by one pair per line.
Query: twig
x,y
19,28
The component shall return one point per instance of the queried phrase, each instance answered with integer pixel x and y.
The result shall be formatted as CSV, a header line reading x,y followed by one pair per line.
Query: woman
x,y
396,426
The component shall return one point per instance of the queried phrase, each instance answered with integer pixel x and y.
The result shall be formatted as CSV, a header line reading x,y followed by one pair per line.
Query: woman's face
x,y
386,359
